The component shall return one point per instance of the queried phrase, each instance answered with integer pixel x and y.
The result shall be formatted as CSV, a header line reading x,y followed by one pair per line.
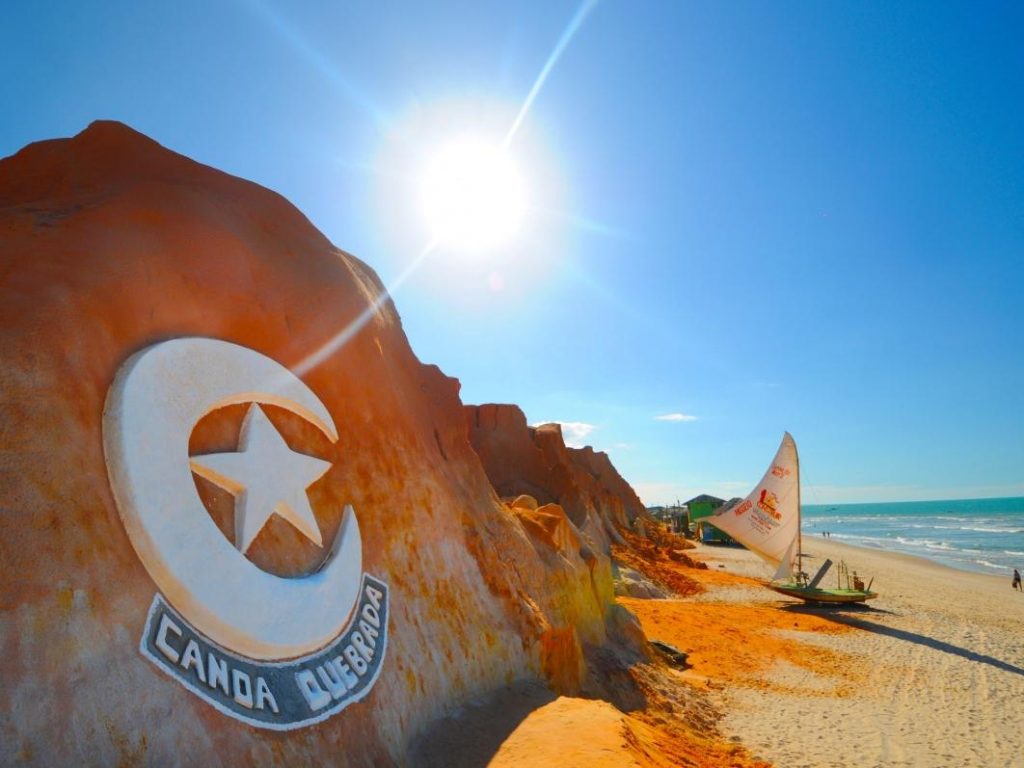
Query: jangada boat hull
x,y
814,595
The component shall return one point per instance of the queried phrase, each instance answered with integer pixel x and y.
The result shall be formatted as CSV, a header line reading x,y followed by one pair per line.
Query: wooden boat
x,y
767,522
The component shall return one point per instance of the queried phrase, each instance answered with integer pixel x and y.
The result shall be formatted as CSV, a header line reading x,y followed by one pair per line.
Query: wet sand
x,y
929,674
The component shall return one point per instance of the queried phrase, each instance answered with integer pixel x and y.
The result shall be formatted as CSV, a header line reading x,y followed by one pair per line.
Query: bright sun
x,y
472,196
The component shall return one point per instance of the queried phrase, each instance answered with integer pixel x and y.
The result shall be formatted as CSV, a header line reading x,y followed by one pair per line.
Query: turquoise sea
x,y
982,535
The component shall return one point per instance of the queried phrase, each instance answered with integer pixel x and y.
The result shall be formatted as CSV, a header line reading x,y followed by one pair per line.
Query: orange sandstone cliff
x,y
110,243
520,459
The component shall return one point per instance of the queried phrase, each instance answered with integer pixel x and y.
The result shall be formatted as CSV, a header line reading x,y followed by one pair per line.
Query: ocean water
x,y
981,535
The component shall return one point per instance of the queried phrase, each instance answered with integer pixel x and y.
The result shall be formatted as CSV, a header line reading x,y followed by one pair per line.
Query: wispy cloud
x,y
573,432
675,417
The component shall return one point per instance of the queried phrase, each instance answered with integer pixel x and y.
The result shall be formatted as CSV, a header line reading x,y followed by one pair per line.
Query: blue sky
x,y
763,216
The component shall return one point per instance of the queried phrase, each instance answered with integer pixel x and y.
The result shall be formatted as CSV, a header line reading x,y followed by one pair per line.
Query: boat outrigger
x,y
767,523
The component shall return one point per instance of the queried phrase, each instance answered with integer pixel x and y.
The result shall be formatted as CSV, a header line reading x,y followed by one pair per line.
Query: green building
x,y
702,507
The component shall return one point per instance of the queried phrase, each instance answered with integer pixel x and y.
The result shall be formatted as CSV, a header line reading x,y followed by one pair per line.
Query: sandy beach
x,y
931,673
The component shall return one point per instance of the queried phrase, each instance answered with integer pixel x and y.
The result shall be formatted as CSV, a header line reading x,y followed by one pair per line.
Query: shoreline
x,y
893,554
984,535
910,559
941,556
931,673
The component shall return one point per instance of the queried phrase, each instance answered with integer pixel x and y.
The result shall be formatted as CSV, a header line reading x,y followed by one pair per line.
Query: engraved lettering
x,y
375,596
355,661
315,696
192,658
264,696
241,686
346,673
161,638
360,645
217,673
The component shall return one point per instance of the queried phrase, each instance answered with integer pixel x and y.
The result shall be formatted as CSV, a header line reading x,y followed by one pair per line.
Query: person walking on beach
x,y
1016,580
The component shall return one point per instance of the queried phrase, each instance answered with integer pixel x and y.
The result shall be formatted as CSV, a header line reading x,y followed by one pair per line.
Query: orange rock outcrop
x,y
520,459
109,243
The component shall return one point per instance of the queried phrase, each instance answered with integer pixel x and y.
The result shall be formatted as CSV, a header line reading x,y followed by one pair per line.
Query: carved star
x,y
266,477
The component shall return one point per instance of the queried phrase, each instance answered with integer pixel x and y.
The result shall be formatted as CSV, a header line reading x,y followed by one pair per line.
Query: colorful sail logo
x,y
768,502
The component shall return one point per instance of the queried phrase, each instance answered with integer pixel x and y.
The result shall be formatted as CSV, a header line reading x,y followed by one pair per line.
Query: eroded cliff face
x,y
110,243
520,459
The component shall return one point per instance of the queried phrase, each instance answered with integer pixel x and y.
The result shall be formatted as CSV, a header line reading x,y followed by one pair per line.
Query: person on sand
x,y
1016,580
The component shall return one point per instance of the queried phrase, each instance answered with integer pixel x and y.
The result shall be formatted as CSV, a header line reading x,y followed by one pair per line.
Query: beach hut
x,y
702,507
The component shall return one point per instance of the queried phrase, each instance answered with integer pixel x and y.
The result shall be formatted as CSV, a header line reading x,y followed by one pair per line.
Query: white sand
x,y
941,654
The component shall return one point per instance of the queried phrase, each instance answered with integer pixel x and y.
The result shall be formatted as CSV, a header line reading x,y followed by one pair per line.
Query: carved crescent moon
x,y
158,396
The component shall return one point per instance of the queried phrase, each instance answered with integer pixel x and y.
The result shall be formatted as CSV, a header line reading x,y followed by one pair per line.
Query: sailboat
x,y
767,522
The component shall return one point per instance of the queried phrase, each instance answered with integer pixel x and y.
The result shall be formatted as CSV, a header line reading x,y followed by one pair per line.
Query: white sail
x,y
767,522
785,570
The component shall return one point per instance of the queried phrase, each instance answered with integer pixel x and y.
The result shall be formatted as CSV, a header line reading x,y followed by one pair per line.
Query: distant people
x,y
1016,580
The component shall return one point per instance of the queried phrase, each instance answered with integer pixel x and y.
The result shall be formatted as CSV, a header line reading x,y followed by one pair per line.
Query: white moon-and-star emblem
x,y
156,400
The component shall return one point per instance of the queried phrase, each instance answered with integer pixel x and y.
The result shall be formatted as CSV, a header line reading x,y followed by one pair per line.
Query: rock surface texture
x,y
110,243
520,459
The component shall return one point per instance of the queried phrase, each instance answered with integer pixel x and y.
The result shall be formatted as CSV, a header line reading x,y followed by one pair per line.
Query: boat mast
x,y
799,522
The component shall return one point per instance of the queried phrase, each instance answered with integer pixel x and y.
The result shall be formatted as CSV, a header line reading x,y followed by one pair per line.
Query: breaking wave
x,y
982,535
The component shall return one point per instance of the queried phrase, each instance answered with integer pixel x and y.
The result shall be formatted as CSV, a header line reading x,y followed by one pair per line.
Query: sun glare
x,y
472,196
